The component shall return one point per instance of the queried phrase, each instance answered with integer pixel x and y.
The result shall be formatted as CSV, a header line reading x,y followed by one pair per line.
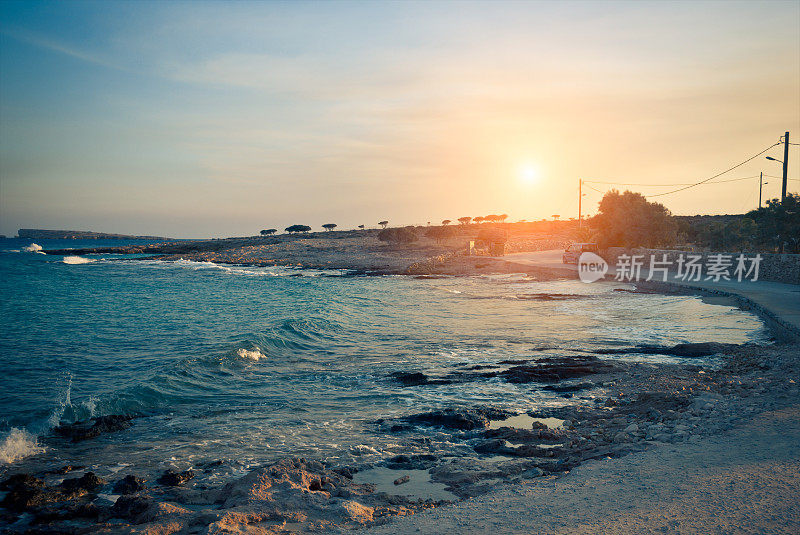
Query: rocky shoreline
x,y
623,407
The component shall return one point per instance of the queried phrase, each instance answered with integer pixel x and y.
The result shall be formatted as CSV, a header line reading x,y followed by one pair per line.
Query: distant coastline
x,y
44,234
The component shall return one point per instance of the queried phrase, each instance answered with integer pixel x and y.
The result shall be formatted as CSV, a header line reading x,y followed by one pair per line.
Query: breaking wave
x,y
17,445
250,354
77,260
32,248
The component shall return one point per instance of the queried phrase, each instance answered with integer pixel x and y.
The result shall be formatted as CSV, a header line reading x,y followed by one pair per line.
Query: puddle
x,y
523,421
419,486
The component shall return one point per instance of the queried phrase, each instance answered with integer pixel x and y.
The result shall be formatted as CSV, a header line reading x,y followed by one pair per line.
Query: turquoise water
x,y
250,364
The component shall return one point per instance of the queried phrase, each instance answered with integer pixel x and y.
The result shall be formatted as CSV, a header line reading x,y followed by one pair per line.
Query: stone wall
x,y
773,267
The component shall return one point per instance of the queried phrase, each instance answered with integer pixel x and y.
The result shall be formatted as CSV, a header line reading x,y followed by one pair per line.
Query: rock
x,y
462,419
554,369
631,429
410,378
130,484
401,480
89,482
494,446
131,507
94,427
171,478
411,462
21,481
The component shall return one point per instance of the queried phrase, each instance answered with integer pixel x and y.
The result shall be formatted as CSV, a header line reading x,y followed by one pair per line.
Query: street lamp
x,y
774,159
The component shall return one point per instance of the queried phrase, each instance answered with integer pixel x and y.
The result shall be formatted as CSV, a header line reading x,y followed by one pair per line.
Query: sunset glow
x,y
228,110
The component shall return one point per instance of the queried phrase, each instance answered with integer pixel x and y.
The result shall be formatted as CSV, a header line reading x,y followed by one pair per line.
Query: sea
x,y
246,365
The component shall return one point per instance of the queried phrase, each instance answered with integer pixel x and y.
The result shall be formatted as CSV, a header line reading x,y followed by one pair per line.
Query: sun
x,y
529,174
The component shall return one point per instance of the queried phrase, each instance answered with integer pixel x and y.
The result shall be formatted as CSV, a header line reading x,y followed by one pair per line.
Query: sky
x,y
201,119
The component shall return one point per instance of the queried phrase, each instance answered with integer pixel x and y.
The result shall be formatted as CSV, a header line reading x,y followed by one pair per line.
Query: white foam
x,y
254,354
32,248
77,260
17,445
252,271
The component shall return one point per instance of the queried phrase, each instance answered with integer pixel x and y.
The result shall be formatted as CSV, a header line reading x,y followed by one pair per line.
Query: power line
x,y
672,184
718,174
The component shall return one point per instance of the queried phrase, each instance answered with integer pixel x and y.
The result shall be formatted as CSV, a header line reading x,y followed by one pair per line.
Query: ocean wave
x,y
74,260
17,445
250,354
252,271
32,248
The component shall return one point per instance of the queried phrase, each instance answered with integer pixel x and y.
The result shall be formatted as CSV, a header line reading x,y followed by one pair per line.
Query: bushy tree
x,y
478,219
629,220
502,217
329,226
383,223
398,235
445,222
297,228
268,231
361,227
779,223
464,220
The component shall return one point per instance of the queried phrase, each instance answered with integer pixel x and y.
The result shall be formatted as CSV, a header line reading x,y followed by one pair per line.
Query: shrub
x,y
329,226
398,235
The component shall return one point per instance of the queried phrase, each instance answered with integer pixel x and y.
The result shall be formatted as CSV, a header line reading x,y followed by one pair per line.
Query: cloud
x,y
46,43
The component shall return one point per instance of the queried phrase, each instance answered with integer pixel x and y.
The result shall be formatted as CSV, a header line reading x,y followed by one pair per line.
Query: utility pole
x,y
785,165
760,186
580,198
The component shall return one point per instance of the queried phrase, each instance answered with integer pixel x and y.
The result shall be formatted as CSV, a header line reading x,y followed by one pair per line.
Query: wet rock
x,y
493,446
554,369
89,482
21,481
401,480
130,484
417,379
461,419
171,478
131,507
94,427
411,462
26,492
702,349
410,378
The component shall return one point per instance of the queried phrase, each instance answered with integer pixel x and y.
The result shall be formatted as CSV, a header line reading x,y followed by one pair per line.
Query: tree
x,y
297,228
329,226
779,223
361,227
629,220
502,217
491,217
464,220
383,223
398,235
478,219
268,231
555,217
445,222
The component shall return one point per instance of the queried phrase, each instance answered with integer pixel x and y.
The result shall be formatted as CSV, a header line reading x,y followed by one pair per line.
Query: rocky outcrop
x,y
94,427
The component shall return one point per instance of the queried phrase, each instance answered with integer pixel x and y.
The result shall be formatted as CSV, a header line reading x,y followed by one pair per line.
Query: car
x,y
574,251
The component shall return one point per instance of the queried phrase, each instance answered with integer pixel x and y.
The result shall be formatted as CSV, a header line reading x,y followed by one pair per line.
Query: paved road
x,y
782,300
